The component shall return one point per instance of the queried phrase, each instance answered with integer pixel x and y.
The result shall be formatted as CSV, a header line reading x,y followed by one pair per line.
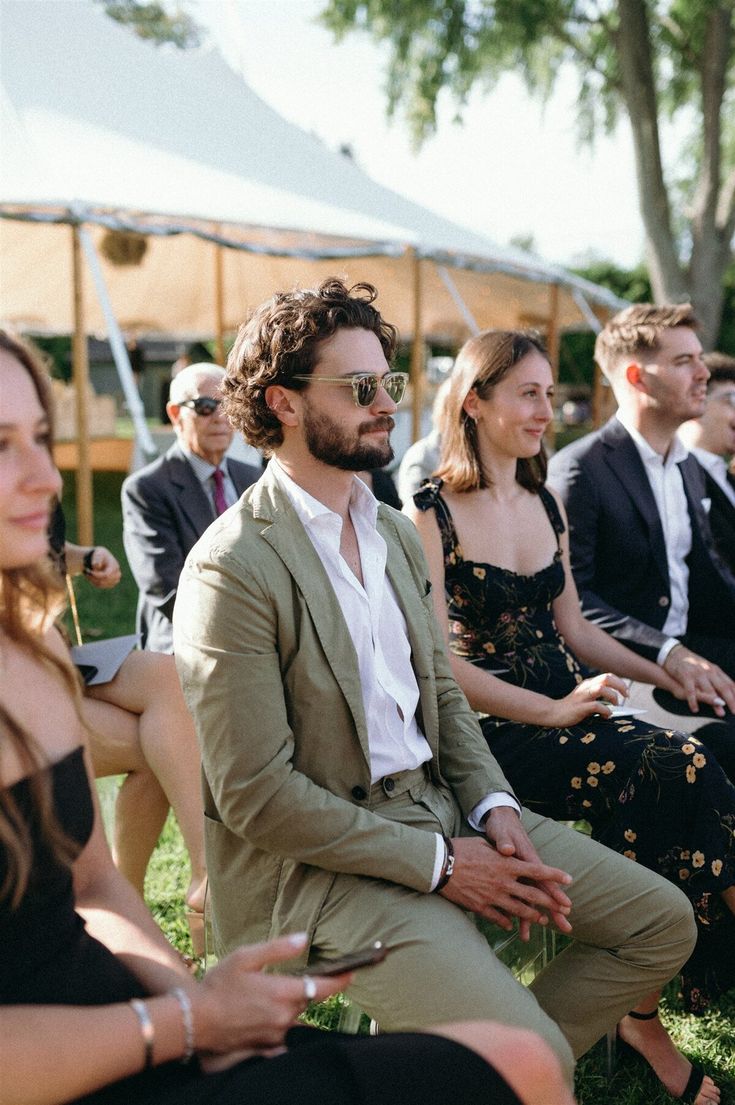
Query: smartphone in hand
x,y
365,957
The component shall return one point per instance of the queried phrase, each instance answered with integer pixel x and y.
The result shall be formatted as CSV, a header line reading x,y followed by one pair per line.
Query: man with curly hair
x,y
349,792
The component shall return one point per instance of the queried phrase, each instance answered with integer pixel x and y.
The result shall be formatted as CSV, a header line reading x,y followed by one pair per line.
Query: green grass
x,y
709,1040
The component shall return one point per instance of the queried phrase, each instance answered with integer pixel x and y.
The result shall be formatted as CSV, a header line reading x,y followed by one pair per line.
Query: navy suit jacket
x,y
165,512
722,521
618,550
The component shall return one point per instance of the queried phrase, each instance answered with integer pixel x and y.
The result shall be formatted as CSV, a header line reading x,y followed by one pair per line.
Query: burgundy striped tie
x,y
220,502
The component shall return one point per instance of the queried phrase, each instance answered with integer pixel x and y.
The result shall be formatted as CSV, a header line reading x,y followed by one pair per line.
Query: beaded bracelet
x,y
147,1030
188,1018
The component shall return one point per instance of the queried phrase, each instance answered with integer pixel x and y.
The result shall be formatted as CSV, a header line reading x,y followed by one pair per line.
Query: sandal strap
x,y
693,1086
644,1016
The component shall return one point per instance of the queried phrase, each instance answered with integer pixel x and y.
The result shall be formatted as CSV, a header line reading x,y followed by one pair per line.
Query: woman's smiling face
x,y
29,479
512,420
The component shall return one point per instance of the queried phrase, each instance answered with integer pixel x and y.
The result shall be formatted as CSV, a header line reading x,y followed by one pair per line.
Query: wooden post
x,y
80,376
552,342
219,302
417,351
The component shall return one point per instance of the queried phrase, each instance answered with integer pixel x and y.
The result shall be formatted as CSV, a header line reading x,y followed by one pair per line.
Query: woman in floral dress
x,y
496,542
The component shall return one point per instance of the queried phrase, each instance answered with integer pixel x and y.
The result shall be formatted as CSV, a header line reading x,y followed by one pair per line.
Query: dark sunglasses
x,y
365,386
203,405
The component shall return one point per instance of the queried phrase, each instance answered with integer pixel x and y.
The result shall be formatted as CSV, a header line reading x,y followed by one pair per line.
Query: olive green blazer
x,y
270,675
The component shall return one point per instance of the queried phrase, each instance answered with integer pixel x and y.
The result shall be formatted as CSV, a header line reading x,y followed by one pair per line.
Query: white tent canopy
x,y
104,130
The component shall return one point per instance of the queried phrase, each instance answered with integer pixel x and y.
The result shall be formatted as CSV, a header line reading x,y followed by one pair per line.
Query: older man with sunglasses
x,y
348,790
169,504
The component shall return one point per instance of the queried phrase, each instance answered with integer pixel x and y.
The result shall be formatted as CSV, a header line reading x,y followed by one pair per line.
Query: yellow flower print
x,y
608,767
687,748
488,647
699,760
592,781
691,774
698,859
586,803
683,873
625,728
588,738
630,836
563,739
716,866
479,572
539,633
577,782
629,853
593,768
685,855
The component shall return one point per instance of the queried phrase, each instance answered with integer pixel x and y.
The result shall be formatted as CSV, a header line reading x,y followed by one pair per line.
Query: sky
x,y
514,167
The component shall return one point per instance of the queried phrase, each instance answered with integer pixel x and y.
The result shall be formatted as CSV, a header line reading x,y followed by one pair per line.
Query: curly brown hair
x,y
281,340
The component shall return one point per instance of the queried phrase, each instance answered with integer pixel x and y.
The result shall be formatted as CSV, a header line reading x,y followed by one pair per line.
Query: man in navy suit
x,y
642,551
711,439
169,504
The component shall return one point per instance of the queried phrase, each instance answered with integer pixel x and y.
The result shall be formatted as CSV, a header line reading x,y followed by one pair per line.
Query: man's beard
x,y
326,441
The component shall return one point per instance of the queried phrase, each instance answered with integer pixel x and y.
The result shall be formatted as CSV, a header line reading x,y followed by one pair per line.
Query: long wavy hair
x,y
481,363
30,597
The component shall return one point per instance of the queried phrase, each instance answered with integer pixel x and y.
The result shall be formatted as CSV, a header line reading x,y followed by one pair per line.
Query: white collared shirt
x,y
379,633
667,485
204,472
717,468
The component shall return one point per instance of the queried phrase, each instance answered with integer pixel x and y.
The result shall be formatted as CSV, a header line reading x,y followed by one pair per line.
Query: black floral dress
x,y
657,796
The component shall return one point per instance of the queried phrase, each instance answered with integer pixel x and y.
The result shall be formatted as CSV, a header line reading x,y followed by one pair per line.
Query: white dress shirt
x,y
717,468
667,485
379,633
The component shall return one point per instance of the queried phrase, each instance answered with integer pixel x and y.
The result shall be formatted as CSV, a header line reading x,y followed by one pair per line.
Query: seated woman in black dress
x,y
497,547
95,1006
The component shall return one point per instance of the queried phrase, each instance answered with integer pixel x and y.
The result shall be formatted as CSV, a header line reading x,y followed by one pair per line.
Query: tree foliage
x,y
651,61
152,21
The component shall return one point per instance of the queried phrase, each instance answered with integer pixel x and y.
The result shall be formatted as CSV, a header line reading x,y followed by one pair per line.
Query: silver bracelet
x,y
188,1018
147,1030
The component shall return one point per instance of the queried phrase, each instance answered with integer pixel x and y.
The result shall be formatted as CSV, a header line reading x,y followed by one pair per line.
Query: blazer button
x,y
389,785
359,794
663,601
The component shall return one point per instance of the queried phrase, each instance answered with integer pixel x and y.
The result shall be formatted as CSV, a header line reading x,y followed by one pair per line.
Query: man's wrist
x,y
666,650
447,867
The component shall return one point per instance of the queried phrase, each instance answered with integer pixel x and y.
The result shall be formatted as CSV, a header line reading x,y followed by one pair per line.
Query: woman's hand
x,y
237,1007
587,698
105,571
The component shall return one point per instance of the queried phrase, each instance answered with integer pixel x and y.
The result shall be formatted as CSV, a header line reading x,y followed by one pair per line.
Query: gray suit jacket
x,y
165,512
271,678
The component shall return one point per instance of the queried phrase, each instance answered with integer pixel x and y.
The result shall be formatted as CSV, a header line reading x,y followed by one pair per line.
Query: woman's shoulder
x,y
429,494
554,508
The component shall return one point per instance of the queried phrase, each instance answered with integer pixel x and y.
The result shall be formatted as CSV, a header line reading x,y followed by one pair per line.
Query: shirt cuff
x,y
665,649
490,802
439,856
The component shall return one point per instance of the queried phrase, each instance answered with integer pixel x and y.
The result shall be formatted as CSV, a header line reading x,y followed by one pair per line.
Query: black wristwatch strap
x,y
87,561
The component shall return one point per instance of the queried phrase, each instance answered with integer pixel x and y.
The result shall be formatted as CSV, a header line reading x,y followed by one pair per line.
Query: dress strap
x,y
552,510
428,497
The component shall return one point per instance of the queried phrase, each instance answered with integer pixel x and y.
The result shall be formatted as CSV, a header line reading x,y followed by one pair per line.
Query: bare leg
x,y
147,687
140,814
649,1037
524,1060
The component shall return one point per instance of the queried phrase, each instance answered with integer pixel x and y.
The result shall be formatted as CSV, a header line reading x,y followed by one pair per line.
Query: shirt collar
x,y
715,464
677,450
362,500
202,468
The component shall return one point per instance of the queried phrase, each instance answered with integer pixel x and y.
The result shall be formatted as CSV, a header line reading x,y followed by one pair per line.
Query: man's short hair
x,y
721,369
281,340
637,330
185,384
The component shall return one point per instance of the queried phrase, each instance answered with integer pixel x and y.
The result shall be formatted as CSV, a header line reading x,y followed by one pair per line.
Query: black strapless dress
x,y
49,958
656,796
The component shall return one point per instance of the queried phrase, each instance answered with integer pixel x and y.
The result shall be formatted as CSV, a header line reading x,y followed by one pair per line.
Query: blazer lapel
x,y
287,536
624,460
191,496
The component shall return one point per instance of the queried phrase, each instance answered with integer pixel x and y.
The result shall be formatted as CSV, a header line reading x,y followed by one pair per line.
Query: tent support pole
x,y
417,351
80,372
219,302
552,341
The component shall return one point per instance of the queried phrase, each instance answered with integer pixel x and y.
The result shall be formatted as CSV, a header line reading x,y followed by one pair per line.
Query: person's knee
x,y
537,1072
675,919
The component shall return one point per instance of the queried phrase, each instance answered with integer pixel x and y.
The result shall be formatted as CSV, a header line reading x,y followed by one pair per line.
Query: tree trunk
x,y
632,39
710,230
